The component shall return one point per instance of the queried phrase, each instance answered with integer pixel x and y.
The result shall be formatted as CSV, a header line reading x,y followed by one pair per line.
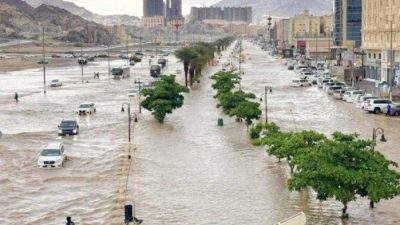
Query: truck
x,y
120,73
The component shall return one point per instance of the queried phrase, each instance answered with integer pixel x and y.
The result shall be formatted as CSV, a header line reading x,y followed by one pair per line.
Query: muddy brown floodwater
x,y
185,171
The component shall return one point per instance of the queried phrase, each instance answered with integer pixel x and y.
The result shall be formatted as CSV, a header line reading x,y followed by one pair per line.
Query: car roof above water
x,y
55,145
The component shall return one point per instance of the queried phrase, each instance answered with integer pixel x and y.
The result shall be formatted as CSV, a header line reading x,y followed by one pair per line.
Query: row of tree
x,y
343,167
235,103
165,96
198,55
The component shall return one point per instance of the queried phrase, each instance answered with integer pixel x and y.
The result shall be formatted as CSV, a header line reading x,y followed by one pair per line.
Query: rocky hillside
x,y
86,14
17,18
283,8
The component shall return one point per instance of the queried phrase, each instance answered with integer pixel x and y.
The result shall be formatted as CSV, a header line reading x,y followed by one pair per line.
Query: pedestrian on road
x,y
16,97
98,75
389,110
69,221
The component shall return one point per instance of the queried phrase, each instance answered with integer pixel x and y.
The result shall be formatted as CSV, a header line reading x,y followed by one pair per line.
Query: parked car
x,y
376,105
323,81
68,127
55,83
301,83
351,94
333,89
363,100
338,94
87,108
52,156
395,110
327,85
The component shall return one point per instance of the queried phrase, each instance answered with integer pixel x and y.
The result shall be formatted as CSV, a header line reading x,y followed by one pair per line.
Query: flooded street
x,y
185,171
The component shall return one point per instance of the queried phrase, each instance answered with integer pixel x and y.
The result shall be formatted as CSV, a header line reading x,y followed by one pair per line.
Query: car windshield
x,y
68,124
117,71
50,152
85,106
54,81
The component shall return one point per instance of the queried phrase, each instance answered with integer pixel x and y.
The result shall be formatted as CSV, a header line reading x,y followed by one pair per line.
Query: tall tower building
x,y
173,9
348,21
153,13
153,8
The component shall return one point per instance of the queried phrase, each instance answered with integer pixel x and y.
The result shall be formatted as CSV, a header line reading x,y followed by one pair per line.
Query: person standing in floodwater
x,y
16,97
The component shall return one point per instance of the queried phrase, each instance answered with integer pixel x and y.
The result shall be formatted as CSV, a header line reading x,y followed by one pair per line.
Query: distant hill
x,y
284,8
17,18
86,14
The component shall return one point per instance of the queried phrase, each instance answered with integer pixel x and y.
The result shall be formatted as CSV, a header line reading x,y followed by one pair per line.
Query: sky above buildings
x,y
130,7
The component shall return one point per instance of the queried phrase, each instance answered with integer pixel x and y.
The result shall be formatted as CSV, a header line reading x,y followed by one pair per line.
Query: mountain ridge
x,y
19,19
86,14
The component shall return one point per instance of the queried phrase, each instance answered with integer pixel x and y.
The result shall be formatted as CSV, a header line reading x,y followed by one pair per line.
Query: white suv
x,y
53,156
376,105
86,108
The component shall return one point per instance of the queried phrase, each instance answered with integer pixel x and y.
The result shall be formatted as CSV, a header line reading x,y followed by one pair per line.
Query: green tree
x,y
230,100
224,82
344,168
186,55
247,111
164,97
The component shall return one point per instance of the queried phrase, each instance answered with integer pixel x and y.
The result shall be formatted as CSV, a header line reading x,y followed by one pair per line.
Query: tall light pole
x,y
82,61
44,63
139,83
266,90
128,105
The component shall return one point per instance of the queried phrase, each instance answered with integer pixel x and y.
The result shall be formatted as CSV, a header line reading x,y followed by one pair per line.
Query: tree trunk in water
x,y
186,69
371,204
191,76
344,210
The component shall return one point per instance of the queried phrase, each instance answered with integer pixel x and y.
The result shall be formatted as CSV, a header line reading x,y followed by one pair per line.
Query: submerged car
x,y
55,83
53,156
68,127
87,108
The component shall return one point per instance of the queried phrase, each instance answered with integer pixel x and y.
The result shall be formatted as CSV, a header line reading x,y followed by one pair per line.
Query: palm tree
x,y
186,55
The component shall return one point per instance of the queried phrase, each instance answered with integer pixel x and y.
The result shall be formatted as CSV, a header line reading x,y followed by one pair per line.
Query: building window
x,y
374,55
380,56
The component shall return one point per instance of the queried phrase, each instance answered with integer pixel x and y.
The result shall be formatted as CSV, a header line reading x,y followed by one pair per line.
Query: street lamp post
x,y
266,90
82,61
139,83
128,105
44,63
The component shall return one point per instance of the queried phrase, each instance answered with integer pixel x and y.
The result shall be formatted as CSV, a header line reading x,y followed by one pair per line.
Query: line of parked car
x,y
54,155
320,76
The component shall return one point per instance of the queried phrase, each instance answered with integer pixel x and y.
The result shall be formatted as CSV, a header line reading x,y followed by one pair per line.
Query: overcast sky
x,y
130,7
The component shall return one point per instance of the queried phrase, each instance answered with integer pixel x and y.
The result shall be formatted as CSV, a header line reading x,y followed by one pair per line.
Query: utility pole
x,y
127,50
140,90
44,63
392,75
316,50
82,61
266,104
240,64
108,57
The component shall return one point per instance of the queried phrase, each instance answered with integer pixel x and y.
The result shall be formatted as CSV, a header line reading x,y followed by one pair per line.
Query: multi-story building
x,y
173,10
153,13
153,8
348,17
380,34
241,14
303,24
282,33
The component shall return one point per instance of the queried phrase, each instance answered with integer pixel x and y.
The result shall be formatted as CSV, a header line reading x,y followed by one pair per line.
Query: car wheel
x,y
377,110
397,113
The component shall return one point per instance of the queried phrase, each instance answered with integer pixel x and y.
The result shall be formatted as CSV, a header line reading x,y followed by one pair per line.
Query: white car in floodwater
x,y
53,156
55,83
87,108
